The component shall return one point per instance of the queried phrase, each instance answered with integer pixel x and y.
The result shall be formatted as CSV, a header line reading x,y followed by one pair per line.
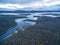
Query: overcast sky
x,y
16,4
17,1
25,1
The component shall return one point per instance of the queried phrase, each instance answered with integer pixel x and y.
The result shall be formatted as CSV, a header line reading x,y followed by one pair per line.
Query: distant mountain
x,y
5,9
44,8
55,8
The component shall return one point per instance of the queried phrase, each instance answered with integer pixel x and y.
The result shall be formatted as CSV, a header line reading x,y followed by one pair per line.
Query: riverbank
x,y
6,22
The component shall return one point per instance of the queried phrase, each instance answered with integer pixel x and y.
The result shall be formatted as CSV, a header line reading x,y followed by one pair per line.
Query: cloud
x,y
18,1
35,4
11,6
41,4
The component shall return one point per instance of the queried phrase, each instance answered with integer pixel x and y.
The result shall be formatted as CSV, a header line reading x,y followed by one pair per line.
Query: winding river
x,y
20,23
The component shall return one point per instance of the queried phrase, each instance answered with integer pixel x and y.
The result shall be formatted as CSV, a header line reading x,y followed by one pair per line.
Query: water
x,y
21,23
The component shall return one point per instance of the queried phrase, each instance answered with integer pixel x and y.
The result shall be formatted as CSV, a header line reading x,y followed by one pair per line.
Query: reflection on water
x,y
20,23
19,20
9,14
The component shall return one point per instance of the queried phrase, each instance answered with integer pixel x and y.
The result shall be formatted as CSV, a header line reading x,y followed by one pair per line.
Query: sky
x,y
20,4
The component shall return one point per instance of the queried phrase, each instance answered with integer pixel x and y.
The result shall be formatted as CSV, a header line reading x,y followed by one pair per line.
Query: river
x,y
20,23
